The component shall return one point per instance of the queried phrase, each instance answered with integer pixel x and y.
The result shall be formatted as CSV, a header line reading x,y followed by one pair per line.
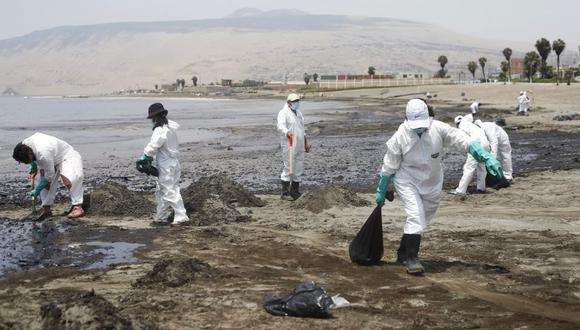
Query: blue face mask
x,y
420,130
295,105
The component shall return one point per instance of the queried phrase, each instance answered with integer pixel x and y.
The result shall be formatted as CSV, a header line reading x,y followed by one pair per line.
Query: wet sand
x,y
505,259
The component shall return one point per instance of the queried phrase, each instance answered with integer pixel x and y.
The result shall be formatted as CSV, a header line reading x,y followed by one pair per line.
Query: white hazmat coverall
x,y
524,103
415,163
164,147
471,165
57,158
293,122
501,148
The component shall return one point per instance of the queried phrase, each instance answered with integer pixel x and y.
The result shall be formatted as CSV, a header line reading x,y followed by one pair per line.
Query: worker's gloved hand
x,y
145,157
492,165
32,168
382,189
43,183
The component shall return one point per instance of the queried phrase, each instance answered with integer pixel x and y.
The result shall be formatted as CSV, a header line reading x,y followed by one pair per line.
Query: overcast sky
x,y
509,20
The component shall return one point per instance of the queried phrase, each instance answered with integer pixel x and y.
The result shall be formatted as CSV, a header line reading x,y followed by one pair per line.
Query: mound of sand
x,y
212,200
327,197
115,199
176,272
84,310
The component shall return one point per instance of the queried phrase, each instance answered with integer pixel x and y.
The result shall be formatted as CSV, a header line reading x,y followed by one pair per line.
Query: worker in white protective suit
x,y
52,158
413,162
474,108
293,143
523,104
164,148
500,146
471,165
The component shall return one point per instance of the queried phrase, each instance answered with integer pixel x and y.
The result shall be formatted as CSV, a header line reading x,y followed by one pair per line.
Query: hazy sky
x,y
510,20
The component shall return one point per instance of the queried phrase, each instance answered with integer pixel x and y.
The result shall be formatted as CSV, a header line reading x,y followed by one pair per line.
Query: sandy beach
x,y
504,259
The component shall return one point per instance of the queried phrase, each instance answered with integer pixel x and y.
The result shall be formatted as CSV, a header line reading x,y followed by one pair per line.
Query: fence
x,y
369,83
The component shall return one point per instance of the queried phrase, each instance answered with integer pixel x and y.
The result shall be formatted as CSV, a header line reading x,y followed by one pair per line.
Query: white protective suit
x,y
415,163
499,143
523,103
164,147
471,165
57,158
289,121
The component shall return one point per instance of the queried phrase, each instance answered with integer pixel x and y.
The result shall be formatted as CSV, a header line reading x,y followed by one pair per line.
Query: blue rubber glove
x,y
382,189
481,155
39,188
145,157
32,168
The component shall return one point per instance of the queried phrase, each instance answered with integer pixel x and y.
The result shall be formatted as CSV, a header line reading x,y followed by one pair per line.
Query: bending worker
x,y
499,142
294,144
523,103
165,148
53,158
413,162
471,165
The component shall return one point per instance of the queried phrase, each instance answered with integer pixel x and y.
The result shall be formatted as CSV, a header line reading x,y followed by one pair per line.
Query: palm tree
x,y
544,49
306,78
505,68
194,80
558,46
315,77
482,61
531,64
472,67
371,70
507,53
442,62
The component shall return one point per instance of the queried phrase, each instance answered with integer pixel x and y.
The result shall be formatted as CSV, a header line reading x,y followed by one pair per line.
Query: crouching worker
x,y
413,163
164,148
52,158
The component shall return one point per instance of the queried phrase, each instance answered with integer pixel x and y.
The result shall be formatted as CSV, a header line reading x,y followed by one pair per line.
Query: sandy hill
x,y
247,44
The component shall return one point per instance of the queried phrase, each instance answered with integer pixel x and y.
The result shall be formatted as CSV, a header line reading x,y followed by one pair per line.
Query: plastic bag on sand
x,y
306,300
496,182
367,247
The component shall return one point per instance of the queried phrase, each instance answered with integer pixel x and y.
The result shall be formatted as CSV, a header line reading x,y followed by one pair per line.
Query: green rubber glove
x,y
145,157
32,168
39,188
382,189
481,155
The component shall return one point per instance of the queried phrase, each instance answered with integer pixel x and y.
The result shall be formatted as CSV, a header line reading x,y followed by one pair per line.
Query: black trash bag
x,y
146,166
367,247
496,182
306,300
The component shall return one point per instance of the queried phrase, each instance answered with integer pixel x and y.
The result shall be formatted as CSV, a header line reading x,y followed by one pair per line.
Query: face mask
x,y
295,106
152,123
420,130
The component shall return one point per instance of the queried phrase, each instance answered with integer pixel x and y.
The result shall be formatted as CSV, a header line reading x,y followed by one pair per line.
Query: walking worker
x,y
471,165
164,147
500,146
523,104
294,144
413,163
52,159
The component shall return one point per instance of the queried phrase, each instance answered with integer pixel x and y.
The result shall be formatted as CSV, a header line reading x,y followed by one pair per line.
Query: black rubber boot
x,y
402,251
285,190
295,190
413,243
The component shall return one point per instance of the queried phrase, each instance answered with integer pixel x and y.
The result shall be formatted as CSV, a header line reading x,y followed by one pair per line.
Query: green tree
x,y
472,67
544,48
507,53
558,46
442,62
371,70
194,80
482,62
532,62
307,78
315,77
